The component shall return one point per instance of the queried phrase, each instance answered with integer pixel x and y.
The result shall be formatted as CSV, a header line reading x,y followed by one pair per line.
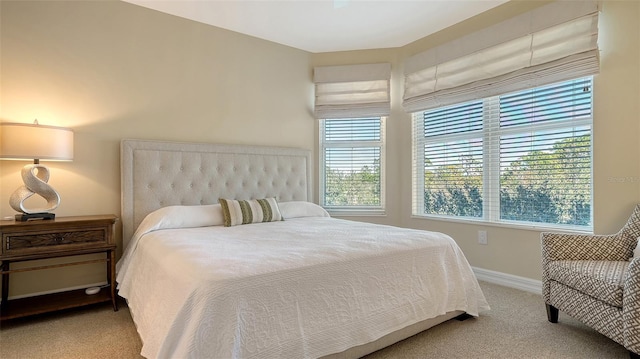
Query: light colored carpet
x,y
515,327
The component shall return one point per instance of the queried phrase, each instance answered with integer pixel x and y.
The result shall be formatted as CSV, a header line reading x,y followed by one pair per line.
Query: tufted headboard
x,y
156,174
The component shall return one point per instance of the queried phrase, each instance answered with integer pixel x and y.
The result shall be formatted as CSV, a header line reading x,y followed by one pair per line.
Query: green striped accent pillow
x,y
237,212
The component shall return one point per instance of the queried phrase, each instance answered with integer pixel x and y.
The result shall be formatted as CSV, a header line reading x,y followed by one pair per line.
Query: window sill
x,y
521,226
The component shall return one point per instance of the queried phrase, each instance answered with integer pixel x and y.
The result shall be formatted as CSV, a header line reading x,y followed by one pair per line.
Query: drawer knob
x,y
59,239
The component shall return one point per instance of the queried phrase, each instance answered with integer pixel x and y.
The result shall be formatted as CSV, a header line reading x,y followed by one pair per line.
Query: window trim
x,y
353,210
528,226
490,134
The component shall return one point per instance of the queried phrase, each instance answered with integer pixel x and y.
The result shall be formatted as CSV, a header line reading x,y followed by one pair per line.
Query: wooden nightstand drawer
x,y
61,237
46,240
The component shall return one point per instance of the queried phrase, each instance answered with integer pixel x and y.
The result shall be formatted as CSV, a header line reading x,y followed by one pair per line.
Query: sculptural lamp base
x,y
35,178
23,217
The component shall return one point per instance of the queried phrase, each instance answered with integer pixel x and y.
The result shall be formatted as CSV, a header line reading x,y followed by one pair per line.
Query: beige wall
x,y
112,70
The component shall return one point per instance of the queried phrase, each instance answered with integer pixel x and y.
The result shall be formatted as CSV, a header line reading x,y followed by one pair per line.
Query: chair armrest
x,y
631,307
562,246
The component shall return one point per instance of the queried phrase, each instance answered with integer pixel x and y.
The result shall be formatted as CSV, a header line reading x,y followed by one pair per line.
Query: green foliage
x,y
353,188
532,204
462,191
551,186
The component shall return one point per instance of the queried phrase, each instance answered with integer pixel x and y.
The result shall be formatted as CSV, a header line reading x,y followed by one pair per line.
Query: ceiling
x,y
327,25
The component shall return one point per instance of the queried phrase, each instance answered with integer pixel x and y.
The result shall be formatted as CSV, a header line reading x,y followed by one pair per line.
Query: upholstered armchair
x,y
595,279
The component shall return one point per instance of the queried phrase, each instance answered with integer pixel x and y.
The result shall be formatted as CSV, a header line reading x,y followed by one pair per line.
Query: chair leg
x,y
552,313
633,355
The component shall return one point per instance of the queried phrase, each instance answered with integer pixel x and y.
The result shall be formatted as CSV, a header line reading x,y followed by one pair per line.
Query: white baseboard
x,y
508,280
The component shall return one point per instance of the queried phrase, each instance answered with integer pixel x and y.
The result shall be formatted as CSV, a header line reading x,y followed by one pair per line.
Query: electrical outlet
x,y
482,237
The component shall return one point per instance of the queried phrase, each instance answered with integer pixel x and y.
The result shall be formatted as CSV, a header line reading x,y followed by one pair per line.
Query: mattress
x,y
305,287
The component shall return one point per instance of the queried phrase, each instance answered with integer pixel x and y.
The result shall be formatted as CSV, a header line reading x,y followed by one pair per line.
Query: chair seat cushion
x,y
600,279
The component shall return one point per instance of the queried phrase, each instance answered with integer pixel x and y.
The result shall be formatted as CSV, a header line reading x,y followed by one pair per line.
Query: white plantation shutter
x,y
352,156
552,125
352,91
522,157
449,144
553,43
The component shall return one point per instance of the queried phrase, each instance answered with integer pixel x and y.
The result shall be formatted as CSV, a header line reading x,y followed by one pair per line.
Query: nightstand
x,y
60,237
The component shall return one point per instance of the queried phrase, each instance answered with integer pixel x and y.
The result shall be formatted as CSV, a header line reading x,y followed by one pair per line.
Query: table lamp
x,y
21,141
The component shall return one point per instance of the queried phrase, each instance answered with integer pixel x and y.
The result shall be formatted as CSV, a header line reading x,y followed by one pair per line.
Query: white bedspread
x,y
301,288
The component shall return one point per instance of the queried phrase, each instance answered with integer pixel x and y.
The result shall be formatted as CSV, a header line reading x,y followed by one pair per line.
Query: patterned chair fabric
x,y
603,280
595,279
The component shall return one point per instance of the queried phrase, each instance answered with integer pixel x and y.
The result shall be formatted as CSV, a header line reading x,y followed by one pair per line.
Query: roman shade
x,y
351,91
552,43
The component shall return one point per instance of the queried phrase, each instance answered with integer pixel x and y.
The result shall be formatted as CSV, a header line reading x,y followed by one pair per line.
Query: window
x,y
523,157
352,165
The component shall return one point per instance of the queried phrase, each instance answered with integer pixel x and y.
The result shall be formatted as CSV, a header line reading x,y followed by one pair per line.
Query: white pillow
x,y
211,215
294,209
182,217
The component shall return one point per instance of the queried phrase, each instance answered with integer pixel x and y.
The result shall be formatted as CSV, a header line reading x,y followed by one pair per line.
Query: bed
x,y
307,286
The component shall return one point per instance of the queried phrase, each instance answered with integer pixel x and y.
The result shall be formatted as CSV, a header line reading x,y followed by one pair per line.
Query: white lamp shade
x,y
21,141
